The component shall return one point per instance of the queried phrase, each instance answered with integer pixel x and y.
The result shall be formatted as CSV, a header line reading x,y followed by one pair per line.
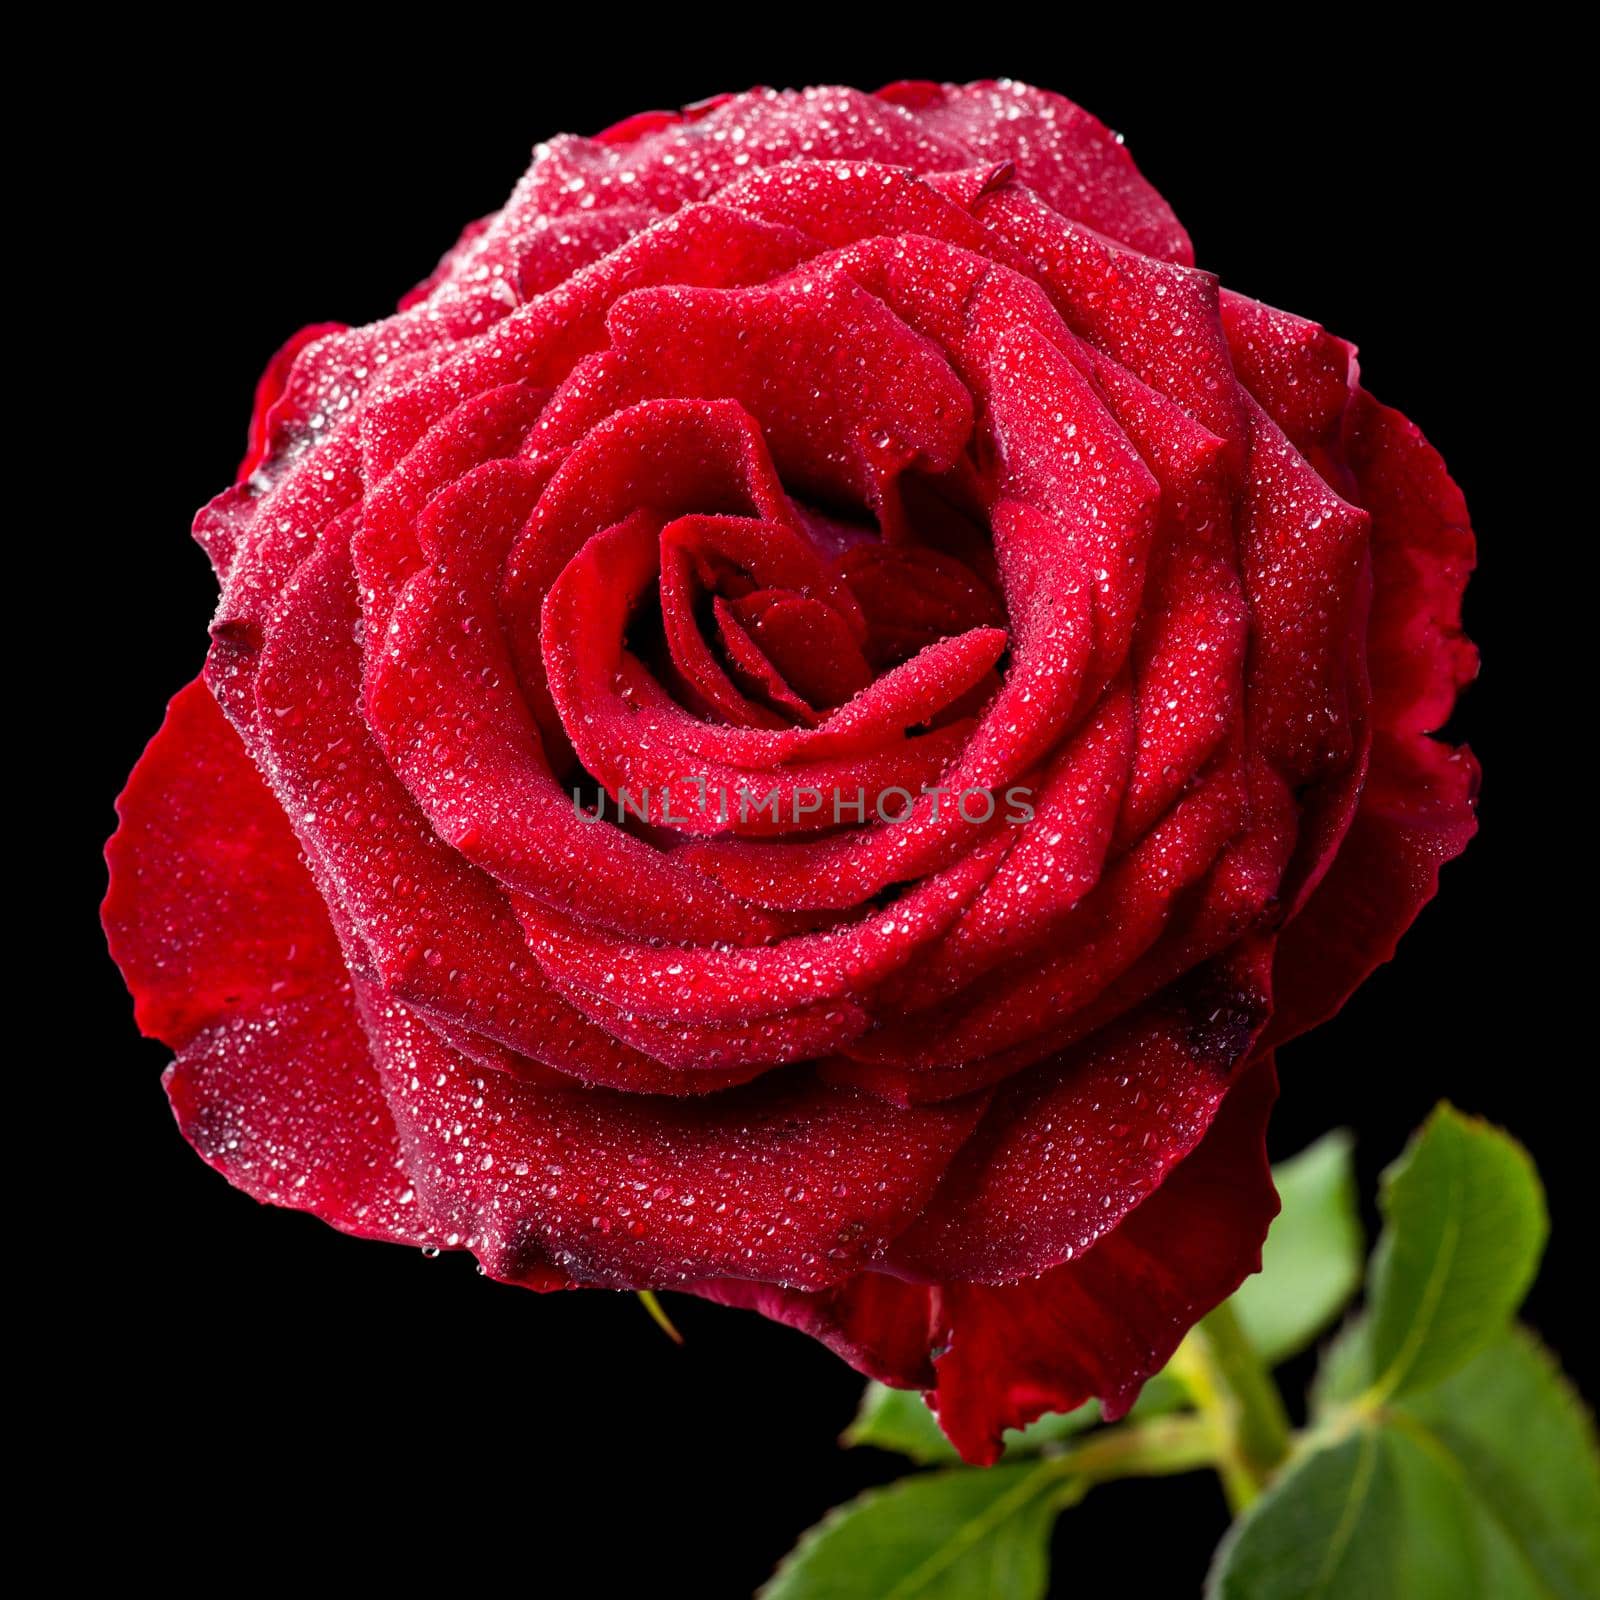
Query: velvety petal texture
x,y
797,726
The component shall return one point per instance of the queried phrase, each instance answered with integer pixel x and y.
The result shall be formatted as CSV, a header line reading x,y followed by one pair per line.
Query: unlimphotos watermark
x,y
691,800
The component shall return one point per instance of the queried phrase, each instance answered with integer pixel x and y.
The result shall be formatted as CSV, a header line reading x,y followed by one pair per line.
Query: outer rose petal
x,y
1068,1150
1060,150
881,1325
210,912
996,1358
227,948
1416,813
270,389
1104,1324
1422,552
1417,809
794,1183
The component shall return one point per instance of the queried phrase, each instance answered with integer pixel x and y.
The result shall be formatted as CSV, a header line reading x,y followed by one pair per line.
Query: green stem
x,y
658,1315
1156,1448
1235,1392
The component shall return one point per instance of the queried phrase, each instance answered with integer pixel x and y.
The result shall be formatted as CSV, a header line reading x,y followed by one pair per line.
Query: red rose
x,y
794,452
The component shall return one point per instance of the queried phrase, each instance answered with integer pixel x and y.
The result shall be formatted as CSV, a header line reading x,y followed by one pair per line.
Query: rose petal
x,y
1057,149
1105,1323
1065,1152
881,1325
793,1184
227,948
1416,811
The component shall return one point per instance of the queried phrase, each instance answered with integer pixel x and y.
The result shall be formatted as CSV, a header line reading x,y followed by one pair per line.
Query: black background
x,y
262,1389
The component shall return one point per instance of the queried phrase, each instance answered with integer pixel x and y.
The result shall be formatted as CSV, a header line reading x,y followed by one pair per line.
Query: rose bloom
x,y
805,443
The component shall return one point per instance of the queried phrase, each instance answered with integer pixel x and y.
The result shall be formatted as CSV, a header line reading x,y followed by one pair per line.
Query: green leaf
x,y
898,1420
1343,1371
1311,1262
947,1535
1464,1227
1485,1487
1521,1436
1372,1518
